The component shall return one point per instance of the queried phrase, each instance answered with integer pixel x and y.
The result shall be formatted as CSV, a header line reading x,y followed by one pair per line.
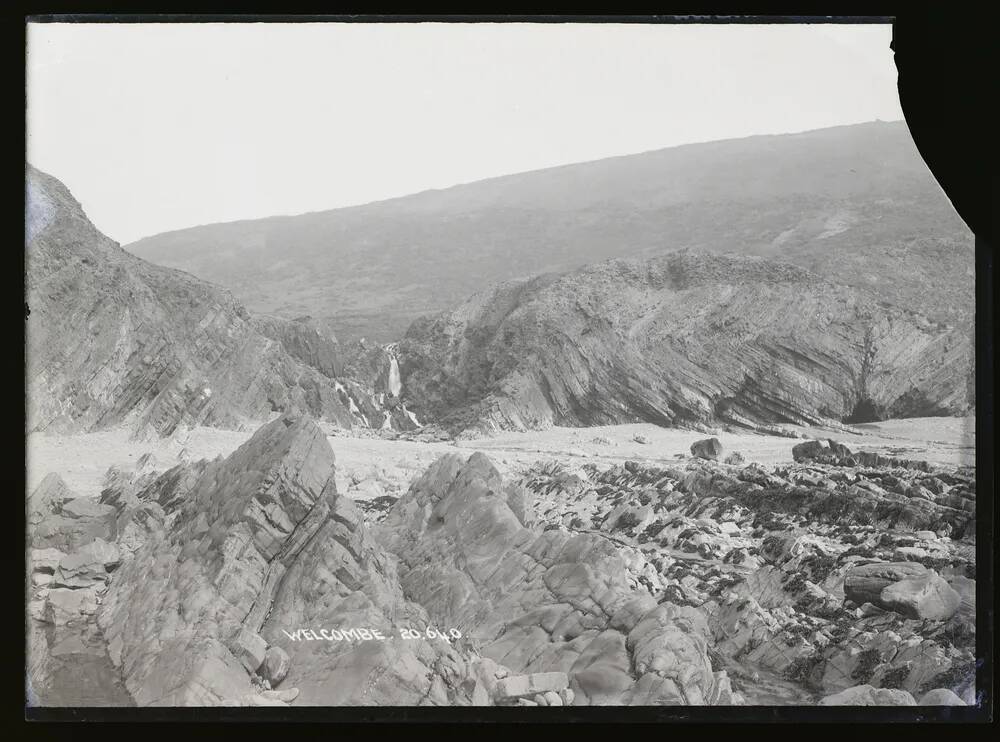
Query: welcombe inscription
x,y
366,634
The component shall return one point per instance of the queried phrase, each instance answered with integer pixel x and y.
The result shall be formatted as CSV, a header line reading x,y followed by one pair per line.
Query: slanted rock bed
x,y
249,580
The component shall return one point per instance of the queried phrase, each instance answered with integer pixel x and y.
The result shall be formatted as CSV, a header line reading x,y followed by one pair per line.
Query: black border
x,y
985,301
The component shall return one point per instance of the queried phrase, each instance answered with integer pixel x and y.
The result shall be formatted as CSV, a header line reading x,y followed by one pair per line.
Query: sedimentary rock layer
x,y
112,339
680,339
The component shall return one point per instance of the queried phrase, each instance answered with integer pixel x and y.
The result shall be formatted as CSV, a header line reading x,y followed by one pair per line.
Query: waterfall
x,y
394,385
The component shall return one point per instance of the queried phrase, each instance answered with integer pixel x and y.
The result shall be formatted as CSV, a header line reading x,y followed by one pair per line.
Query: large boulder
x,y
865,583
249,648
927,596
275,666
709,448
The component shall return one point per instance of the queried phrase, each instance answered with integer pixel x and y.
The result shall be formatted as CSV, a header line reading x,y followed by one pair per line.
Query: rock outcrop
x,y
788,566
682,339
114,340
251,581
539,602
256,583
306,339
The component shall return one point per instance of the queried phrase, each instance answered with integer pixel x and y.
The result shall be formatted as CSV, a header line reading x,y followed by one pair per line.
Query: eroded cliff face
x,y
680,339
114,340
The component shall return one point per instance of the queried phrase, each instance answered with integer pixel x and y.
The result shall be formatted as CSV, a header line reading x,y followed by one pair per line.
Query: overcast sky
x,y
159,127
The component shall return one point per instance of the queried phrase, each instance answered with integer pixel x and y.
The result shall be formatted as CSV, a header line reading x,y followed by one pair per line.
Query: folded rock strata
x,y
680,339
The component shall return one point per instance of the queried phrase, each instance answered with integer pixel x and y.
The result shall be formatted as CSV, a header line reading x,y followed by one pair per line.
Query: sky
x,y
156,127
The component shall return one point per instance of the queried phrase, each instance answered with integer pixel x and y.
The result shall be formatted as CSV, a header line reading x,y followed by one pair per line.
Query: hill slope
x,y
112,339
680,339
854,204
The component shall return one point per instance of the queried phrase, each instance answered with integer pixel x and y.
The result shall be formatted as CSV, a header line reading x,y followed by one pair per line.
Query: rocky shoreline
x,y
838,579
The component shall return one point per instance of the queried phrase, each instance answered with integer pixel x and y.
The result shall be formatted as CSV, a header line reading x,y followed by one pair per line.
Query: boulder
x,y
866,695
47,497
249,648
78,522
639,438
809,450
275,665
709,448
928,596
552,698
88,565
838,450
865,583
940,697
515,686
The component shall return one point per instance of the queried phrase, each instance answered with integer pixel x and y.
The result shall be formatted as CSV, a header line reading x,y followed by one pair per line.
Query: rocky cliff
x,y
112,339
854,204
684,338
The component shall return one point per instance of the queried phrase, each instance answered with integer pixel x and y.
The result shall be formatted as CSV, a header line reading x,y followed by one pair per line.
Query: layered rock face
x,y
114,340
678,340
307,339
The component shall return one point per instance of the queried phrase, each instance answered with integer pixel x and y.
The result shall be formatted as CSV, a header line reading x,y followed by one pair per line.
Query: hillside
x,y
114,340
854,204
682,339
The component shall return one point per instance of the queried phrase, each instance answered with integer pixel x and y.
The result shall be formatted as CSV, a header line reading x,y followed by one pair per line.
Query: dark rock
x,y
709,448
275,665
